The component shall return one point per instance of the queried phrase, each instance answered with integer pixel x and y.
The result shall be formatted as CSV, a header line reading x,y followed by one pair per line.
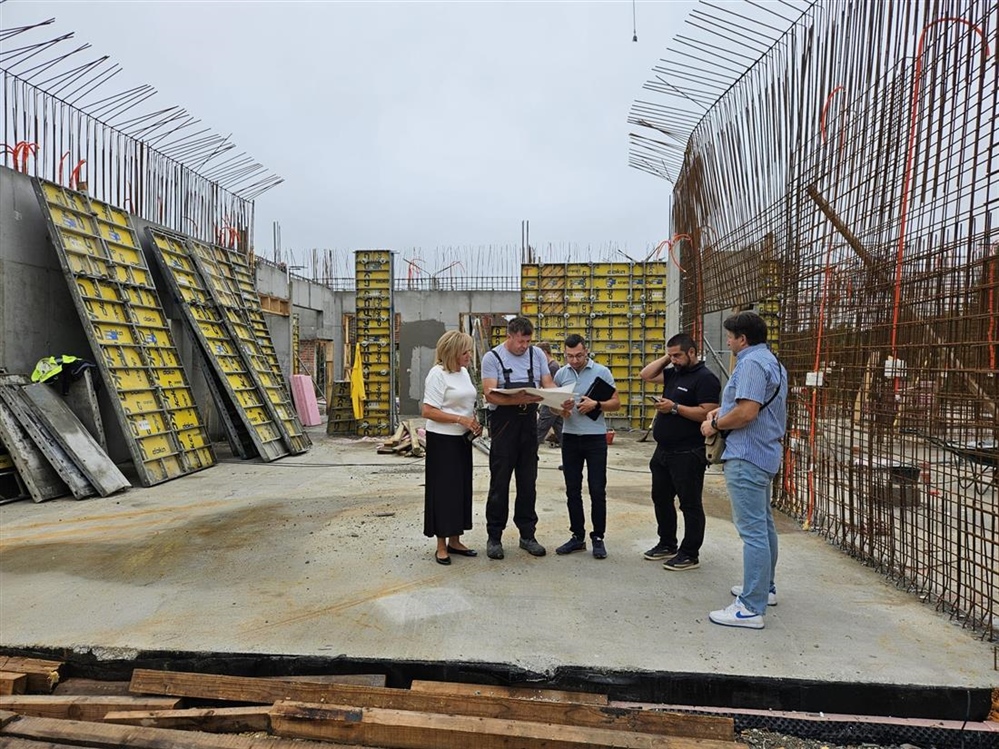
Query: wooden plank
x,y
13,743
76,440
209,720
403,729
54,453
42,674
248,689
524,693
360,680
115,736
13,683
235,688
35,471
81,707
80,686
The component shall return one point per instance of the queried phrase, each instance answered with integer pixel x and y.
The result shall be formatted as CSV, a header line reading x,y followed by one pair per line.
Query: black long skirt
x,y
448,493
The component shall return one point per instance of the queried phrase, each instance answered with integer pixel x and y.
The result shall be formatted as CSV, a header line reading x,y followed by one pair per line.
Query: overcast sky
x,y
404,125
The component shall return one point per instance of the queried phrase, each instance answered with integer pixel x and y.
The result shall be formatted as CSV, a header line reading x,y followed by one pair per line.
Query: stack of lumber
x,y
405,442
53,452
159,709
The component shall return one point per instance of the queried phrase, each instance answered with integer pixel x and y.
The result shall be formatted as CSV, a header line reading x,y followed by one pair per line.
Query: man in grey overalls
x,y
513,448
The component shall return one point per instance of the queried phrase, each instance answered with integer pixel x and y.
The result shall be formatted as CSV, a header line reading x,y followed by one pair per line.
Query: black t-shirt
x,y
689,387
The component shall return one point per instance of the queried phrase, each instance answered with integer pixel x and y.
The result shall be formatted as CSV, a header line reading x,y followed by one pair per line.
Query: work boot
x,y
494,549
532,547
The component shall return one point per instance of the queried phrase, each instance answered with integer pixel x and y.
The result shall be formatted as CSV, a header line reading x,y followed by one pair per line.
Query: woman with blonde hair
x,y
449,408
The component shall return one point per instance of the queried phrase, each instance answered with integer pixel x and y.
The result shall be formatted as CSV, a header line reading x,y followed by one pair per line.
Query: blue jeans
x,y
590,449
749,490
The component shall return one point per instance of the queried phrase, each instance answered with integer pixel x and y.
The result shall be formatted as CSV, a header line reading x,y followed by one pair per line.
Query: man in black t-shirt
x,y
690,391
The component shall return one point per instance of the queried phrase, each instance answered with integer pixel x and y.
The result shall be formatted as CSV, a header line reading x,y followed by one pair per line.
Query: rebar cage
x,y
847,187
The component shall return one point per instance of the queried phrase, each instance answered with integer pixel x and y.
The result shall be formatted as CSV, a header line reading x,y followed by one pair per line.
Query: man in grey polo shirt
x,y
584,441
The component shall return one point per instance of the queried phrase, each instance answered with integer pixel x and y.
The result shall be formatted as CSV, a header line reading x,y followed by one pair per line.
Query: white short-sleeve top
x,y
451,392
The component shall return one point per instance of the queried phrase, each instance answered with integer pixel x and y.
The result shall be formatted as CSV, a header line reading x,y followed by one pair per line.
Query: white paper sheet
x,y
551,397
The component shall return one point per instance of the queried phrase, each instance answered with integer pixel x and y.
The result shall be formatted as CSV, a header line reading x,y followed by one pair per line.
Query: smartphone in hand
x,y
654,399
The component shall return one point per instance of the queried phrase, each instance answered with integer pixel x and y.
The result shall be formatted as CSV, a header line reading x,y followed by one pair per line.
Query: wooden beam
x,y
210,720
42,674
78,686
236,688
81,707
403,729
248,689
523,693
359,680
12,683
114,736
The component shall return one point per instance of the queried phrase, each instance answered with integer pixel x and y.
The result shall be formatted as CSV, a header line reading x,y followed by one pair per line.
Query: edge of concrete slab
x,y
656,687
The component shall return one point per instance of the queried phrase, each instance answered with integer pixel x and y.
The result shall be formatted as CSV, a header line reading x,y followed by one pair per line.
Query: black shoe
x,y
532,547
462,552
494,549
681,562
573,544
442,560
660,553
599,550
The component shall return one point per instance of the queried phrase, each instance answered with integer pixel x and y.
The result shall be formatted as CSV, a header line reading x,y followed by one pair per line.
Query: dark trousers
x,y
591,450
679,474
513,450
548,419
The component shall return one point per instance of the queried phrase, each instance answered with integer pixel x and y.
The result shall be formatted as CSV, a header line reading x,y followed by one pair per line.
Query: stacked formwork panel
x,y
129,333
620,308
253,400
376,336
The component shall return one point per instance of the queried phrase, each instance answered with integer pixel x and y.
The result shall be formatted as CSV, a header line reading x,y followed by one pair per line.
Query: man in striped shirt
x,y
753,413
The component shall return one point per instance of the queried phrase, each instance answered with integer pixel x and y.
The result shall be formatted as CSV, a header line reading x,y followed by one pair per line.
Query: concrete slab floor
x,y
323,555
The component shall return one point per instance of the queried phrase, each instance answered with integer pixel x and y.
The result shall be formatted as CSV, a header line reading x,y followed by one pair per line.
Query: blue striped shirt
x,y
757,375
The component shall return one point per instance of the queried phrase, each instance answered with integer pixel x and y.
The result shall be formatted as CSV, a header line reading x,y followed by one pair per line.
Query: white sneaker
x,y
737,615
771,596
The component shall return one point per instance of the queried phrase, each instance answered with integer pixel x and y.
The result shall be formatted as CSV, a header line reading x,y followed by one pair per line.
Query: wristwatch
x,y
714,423
676,408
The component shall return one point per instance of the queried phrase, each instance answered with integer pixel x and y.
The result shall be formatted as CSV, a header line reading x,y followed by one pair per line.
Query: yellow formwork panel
x,y
233,288
220,341
106,270
578,270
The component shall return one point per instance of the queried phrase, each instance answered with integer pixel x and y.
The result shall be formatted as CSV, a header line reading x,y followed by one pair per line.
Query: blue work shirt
x,y
756,377
578,423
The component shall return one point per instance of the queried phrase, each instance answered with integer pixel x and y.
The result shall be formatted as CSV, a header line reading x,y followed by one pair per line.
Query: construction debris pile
x,y
407,441
157,709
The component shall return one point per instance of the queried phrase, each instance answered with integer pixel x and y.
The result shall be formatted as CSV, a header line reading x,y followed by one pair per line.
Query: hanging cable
x,y
634,23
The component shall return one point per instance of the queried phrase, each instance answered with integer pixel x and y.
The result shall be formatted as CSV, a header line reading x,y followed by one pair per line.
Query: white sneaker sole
x,y
754,622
